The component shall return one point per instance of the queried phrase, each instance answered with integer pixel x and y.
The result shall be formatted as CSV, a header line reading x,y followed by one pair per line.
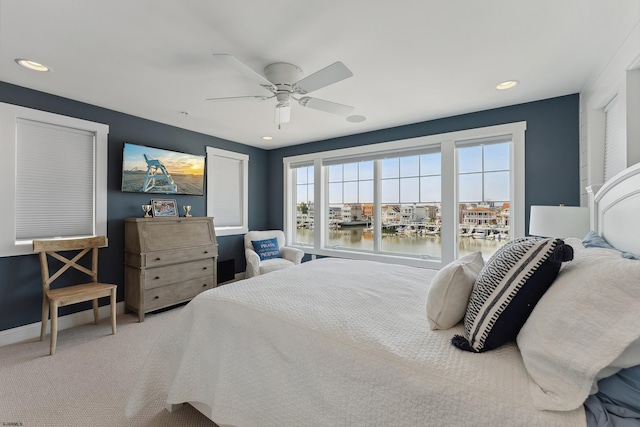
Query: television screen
x,y
158,171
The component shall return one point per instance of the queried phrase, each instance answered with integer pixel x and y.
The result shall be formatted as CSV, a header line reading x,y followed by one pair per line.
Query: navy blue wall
x,y
551,148
552,177
20,283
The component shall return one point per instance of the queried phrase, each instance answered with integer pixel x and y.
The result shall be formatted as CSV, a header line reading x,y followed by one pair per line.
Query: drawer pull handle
x,y
156,278
204,286
206,252
156,297
158,259
204,268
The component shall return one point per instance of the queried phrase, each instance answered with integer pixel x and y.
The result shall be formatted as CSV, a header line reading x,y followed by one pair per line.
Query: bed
x,y
345,342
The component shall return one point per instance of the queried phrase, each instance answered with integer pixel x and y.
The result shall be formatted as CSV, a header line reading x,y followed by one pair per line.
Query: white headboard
x,y
615,210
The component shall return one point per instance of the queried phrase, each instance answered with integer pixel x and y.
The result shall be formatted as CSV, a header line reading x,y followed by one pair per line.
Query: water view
x,y
401,243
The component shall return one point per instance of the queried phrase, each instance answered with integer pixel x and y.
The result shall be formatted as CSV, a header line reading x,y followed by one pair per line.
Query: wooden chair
x,y
72,294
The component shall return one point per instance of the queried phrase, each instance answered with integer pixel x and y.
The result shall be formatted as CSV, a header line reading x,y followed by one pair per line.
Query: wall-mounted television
x,y
157,171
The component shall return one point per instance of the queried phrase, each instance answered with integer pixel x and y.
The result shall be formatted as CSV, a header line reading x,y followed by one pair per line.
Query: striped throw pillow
x,y
508,288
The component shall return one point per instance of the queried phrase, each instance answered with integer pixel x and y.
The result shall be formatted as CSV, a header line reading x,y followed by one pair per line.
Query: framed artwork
x,y
154,170
164,208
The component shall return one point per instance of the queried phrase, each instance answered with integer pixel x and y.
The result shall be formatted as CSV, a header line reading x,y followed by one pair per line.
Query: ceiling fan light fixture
x,y
508,84
283,113
32,65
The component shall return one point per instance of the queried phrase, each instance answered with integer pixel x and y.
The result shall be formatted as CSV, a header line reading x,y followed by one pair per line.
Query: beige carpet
x,y
87,381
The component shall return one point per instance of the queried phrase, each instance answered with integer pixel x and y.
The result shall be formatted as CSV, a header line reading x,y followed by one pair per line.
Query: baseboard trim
x,y
31,331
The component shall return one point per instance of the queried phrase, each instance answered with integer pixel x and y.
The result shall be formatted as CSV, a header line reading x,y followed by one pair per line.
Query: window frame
x,y
9,116
447,143
243,226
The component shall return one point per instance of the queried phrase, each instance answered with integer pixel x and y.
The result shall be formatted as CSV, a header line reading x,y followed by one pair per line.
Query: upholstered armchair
x,y
270,255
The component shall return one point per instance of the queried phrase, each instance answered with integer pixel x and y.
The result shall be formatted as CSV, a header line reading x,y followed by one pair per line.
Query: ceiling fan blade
x,y
325,77
238,97
234,62
326,106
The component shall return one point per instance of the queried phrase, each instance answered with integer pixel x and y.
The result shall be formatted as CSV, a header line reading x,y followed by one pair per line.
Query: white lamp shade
x,y
559,221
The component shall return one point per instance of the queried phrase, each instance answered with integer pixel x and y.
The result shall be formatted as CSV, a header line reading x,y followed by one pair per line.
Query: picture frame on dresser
x,y
164,207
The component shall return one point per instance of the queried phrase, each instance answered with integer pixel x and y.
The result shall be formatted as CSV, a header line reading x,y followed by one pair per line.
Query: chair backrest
x,y
262,235
52,247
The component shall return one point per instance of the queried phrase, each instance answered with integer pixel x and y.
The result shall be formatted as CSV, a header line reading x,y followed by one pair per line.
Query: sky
x,y
175,162
483,176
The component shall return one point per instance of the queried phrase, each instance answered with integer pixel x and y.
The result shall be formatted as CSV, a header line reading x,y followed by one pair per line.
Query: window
x,y
410,204
54,173
350,203
304,205
484,196
227,191
422,201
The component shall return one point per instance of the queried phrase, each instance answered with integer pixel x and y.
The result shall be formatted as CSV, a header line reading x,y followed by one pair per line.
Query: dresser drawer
x,y
174,234
161,276
176,256
175,293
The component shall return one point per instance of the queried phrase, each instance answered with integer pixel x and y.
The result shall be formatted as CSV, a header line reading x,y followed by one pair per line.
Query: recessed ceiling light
x,y
32,65
356,119
267,138
507,85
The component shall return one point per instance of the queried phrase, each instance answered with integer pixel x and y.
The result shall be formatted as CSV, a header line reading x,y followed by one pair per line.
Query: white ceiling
x,y
411,60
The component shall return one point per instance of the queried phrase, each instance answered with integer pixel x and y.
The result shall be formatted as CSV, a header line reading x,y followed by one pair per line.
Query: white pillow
x,y
582,324
630,356
450,290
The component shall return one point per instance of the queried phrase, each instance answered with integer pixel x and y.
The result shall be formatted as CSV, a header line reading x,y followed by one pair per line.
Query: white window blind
x,y
615,153
55,181
227,205
227,187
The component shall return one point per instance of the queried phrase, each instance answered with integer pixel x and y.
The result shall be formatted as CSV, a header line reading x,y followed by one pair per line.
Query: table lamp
x,y
559,221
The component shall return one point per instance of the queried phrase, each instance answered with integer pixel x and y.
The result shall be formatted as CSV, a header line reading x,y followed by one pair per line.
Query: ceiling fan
x,y
286,83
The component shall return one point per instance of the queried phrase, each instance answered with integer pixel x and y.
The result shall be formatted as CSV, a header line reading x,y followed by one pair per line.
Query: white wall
x,y
620,75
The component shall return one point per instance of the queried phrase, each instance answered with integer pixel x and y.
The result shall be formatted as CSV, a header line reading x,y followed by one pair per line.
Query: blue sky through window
x,y
483,176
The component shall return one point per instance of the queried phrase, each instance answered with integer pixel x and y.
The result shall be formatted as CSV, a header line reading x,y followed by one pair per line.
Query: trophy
x,y
147,211
187,209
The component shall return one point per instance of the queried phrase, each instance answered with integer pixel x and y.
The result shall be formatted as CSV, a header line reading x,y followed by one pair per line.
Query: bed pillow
x,y
628,358
450,290
508,288
581,326
631,355
594,240
266,249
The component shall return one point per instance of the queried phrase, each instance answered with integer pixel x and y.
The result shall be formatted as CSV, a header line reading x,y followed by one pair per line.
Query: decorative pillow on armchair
x,y
508,288
266,249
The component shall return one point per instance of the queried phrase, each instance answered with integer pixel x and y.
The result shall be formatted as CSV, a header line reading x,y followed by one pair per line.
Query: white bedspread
x,y
334,343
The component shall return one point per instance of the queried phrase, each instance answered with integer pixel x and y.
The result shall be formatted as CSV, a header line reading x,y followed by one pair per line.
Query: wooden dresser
x,y
167,261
